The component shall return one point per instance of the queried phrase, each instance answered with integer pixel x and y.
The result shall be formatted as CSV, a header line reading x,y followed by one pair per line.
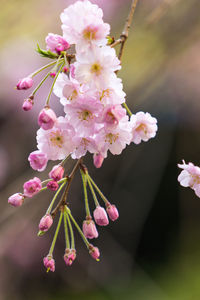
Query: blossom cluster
x,y
94,120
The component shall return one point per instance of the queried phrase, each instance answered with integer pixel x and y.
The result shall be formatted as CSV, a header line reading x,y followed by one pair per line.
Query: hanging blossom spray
x,y
97,120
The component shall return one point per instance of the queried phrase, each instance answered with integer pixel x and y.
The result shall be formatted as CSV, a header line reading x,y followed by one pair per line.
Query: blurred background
x,y
152,252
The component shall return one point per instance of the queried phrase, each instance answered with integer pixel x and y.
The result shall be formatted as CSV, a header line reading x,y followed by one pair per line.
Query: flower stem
x,y
71,229
65,160
66,231
127,109
92,191
56,195
40,84
84,179
78,228
51,90
42,68
98,190
56,234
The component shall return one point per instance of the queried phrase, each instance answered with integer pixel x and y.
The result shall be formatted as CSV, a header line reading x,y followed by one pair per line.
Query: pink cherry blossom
x,y
83,144
57,173
25,83
112,91
56,43
38,160
190,176
32,187
45,223
144,127
89,229
49,263
47,118
88,30
67,88
100,216
57,142
16,199
112,212
96,66
115,138
83,113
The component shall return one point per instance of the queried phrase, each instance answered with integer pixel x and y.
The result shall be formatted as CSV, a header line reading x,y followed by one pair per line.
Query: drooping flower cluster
x,y
190,177
95,120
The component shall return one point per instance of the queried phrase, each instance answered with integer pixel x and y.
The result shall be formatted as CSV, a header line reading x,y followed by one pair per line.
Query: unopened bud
x,y
24,83
100,216
16,199
47,118
57,173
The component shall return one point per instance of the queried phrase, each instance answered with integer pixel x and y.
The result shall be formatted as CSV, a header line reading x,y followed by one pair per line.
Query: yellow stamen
x,y
96,68
56,139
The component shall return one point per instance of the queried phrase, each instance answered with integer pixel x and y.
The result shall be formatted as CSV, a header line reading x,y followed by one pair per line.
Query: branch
x,y
124,35
63,199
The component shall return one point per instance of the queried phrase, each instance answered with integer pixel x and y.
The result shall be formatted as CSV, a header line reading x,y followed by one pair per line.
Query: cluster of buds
x,y
97,120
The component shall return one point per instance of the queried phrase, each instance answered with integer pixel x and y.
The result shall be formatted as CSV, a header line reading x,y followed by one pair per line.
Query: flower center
x,y
110,137
142,127
84,143
105,93
89,33
96,69
73,95
85,115
56,139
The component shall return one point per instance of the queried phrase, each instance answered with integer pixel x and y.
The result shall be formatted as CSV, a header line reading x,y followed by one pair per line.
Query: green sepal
x,y
110,40
46,53
41,233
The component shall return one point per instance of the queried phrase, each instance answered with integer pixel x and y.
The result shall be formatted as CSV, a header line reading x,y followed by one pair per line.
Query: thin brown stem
x,y
63,199
124,35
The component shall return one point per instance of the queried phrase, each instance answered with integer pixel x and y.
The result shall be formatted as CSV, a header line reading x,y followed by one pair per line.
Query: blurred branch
x,y
124,35
127,26
160,11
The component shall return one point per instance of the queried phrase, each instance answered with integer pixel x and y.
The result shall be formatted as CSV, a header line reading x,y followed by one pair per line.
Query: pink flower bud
x,y
28,104
100,216
46,222
49,263
65,70
38,160
32,187
24,83
98,160
47,118
52,185
112,212
57,173
16,199
56,43
89,229
94,252
53,74
70,256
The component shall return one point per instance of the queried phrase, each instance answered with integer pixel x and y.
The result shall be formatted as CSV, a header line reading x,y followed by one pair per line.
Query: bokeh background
x,y
153,251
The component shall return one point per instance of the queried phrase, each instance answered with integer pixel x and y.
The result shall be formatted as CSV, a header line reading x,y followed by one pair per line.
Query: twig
x,y
124,35
62,201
